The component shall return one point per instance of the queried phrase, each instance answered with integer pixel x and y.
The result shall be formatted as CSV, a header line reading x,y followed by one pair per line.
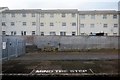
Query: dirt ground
x,y
91,62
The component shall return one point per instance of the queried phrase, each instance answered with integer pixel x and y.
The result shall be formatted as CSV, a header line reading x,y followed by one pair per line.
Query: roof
x,y
99,12
22,11
3,7
60,11
42,11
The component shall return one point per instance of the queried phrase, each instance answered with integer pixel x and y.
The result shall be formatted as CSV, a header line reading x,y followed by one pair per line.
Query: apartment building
x,y
59,22
92,22
19,22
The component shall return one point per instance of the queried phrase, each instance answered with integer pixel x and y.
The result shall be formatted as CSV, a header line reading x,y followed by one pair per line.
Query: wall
x,y
76,42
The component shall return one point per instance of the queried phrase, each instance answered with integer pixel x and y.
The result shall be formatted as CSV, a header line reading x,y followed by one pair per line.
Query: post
x,y
0,47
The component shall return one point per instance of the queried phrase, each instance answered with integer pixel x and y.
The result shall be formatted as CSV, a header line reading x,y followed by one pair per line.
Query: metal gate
x,y
12,47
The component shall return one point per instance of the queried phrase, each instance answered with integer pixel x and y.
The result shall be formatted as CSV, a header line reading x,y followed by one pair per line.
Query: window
x,y
3,33
63,15
114,16
42,34
73,33
51,24
82,33
33,15
11,32
73,15
92,25
63,24
73,24
115,34
92,16
105,25
33,23
52,33
15,33
12,15
4,15
51,15
62,33
82,16
42,15
33,32
23,33
23,15
12,24
24,23
82,25
104,16
115,25
3,24
41,24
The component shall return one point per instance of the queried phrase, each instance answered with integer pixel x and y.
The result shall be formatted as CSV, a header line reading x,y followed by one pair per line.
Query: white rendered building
x,y
59,22
98,22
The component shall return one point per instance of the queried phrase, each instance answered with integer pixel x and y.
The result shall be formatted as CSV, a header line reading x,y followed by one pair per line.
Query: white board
x,y
4,45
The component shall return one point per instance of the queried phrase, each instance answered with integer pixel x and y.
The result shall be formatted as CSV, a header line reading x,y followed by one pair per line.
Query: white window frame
x,y
13,15
92,25
53,33
62,33
24,24
51,15
82,16
115,25
73,33
42,33
73,15
3,23
114,16
73,23
63,15
24,15
105,16
63,23
33,14
42,15
105,25
33,23
92,16
82,25
12,23
41,24
33,33
51,24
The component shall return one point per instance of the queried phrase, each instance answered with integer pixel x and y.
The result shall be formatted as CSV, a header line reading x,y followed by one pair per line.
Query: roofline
x,y
61,11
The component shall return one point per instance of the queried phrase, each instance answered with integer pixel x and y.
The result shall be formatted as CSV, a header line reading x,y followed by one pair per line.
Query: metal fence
x,y
12,47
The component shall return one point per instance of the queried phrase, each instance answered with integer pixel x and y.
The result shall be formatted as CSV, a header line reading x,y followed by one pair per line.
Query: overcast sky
x,y
61,4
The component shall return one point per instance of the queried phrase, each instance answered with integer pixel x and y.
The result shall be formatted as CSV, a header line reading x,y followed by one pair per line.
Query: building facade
x,y
98,22
59,22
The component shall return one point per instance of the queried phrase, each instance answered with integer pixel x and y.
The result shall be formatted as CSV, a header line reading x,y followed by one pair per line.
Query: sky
x,y
61,4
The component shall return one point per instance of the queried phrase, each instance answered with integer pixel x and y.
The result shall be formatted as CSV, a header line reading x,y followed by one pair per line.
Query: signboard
x,y
4,45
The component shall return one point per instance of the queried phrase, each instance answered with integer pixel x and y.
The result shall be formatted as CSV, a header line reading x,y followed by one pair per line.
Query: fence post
x,y
8,46
16,52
